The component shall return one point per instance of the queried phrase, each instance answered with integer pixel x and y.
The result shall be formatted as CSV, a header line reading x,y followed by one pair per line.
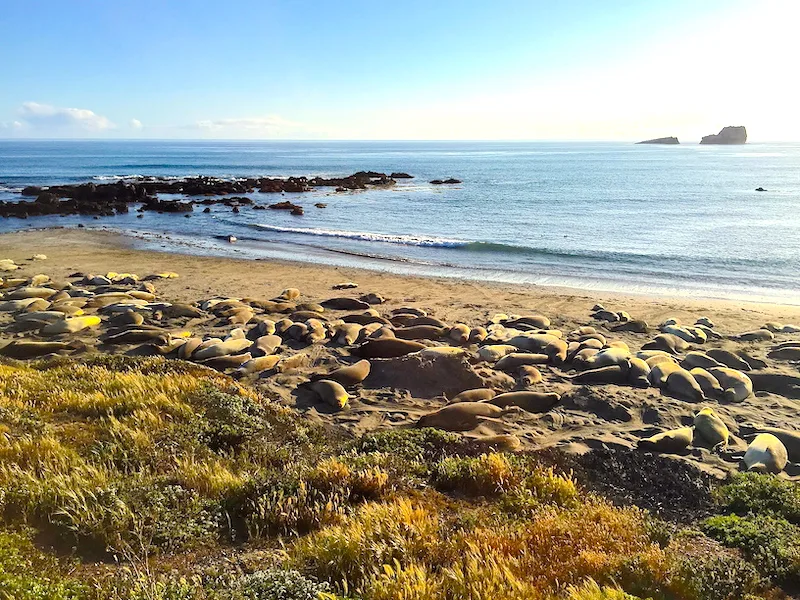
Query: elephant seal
x,y
683,384
687,334
660,372
289,294
24,293
330,392
777,383
729,359
528,375
530,321
425,321
387,348
221,349
673,441
606,315
129,317
183,310
258,364
506,442
707,382
364,319
350,375
462,416
185,351
70,325
786,353
765,454
638,372
495,352
475,395
790,440
736,385
138,336
511,362
345,304
666,342
228,361
534,402
47,316
26,304
266,345
711,428
459,333
410,310
381,333
347,334
758,335
420,332
477,335
633,326
608,357
698,359
554,347
22,349
611,374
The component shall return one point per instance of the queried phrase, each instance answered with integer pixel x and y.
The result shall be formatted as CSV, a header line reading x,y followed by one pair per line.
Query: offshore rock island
x,y
727,135
664,140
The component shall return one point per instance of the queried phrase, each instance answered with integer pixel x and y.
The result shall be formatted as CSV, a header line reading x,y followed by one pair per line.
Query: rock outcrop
x,y
728,135
664,140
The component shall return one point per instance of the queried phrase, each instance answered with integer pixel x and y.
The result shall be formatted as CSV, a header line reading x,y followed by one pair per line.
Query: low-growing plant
x,y
760,493
771,543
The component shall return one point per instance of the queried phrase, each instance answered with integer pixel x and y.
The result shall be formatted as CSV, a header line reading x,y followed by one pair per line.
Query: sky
x,y
417,69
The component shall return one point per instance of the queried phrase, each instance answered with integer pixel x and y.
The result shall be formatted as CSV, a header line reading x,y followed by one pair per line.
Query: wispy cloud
x,y
136,124
47,117
271,124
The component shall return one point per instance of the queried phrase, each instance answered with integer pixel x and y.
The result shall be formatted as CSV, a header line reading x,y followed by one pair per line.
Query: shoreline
x,y
67,246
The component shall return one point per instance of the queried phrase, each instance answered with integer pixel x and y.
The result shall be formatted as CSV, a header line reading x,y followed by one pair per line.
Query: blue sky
x,y
573,69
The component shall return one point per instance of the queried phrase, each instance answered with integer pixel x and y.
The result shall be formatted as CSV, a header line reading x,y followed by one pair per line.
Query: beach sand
x,y
586,417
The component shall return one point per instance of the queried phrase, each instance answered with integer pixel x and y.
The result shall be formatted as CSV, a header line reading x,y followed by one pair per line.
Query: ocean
x,y
673,220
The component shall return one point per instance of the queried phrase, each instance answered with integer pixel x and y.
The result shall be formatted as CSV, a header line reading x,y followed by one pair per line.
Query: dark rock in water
x,y
321,205
286,205
401,176
31,190
445,181
760,189
259,207
169,206
728,135
297,210
207,209
235,209
664,140
46,198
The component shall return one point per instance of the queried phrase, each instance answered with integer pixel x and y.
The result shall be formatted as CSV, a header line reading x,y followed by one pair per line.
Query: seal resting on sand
x,y
707,382
21,349
330,392
387,348
790,440
711,428
765,454
736,385
350,375
667,342
672,441
461,416
475,395
683,384
534,402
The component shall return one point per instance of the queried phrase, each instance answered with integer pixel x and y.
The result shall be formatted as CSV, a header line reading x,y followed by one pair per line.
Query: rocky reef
x,y
727,135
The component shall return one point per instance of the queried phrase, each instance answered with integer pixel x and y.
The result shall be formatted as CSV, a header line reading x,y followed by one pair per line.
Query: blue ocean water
x,y
677,220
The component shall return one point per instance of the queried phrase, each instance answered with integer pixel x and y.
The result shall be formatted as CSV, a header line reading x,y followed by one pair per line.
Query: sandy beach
x,y
587,416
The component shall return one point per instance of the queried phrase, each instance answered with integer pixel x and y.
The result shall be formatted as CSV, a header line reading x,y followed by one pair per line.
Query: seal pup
x,y
765,454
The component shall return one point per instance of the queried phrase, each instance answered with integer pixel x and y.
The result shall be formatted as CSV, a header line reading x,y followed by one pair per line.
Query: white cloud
x,y
136,124
47,117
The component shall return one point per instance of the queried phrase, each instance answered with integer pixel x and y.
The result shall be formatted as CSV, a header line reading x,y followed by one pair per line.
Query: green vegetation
x,y
161,480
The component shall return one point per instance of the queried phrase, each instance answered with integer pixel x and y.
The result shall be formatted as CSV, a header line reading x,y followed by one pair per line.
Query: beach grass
x,y
160,480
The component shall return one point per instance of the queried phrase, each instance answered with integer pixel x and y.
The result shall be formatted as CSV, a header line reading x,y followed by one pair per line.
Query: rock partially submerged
x,y
663,140
727,135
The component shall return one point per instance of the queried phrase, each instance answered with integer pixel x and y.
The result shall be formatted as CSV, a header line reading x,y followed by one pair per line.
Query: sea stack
x,y
664,140
728,135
